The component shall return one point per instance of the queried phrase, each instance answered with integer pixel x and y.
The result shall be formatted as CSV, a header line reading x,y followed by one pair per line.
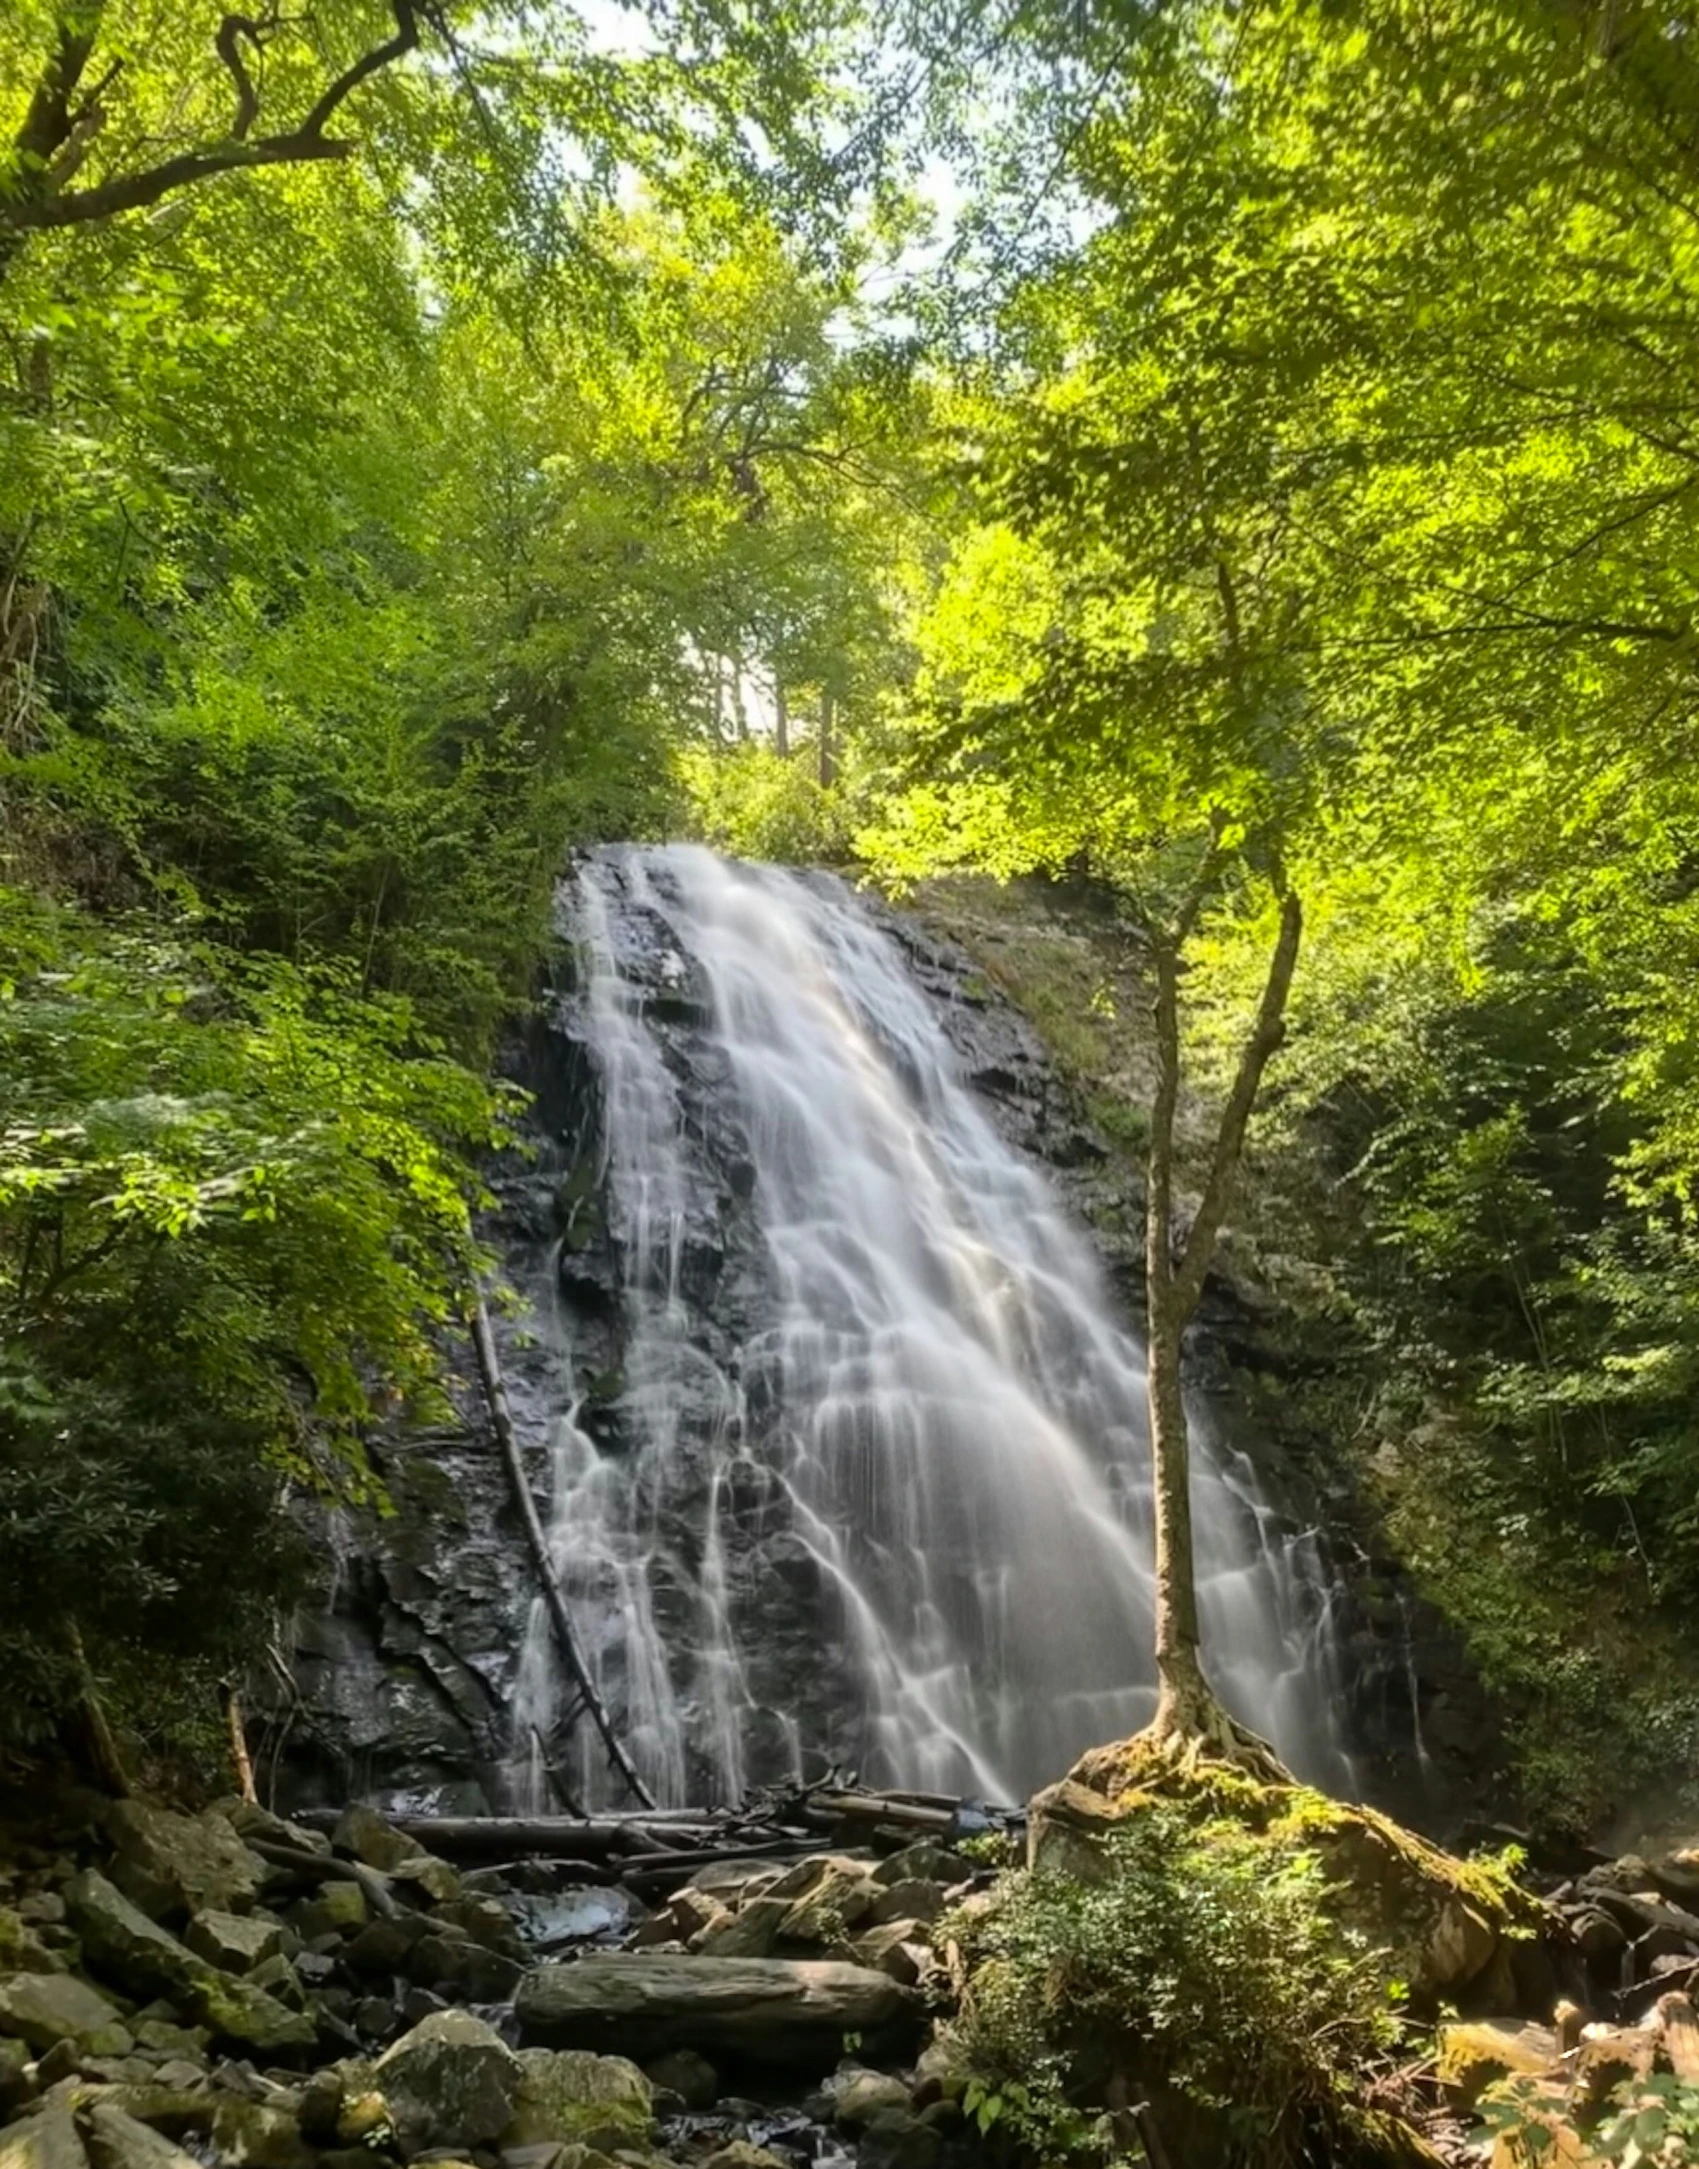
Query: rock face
x,y
760,2010
411,1671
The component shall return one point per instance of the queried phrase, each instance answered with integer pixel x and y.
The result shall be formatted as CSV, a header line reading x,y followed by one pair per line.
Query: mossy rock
x,y
1441,1920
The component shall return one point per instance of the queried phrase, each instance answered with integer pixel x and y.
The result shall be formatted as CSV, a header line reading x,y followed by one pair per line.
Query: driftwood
x,y
501,1417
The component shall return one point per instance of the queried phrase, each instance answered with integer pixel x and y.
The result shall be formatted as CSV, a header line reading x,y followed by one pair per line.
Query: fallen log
x,y
331,1868
501,1417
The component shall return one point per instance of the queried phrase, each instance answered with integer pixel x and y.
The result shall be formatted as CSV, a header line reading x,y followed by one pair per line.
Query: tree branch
x,y
136,191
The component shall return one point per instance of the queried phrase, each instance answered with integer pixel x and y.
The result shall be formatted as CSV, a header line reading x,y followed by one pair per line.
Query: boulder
x,y
119,2141
893,1949
767,2010
337,1908
834,1900
456,1966
741,2154
682,2072
907,1900
750,1932
452,2082
47,2140
234,1942
249,1820
121,1942
363,1835
42,2008
22,1950
434,1878
486,1921
927,1862
172,1864
580,2099
859,2096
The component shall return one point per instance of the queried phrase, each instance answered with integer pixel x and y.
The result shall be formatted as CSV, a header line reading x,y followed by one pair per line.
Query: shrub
x,y
1198,1984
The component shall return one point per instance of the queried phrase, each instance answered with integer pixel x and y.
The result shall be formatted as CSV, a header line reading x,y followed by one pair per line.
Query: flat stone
x,y
576,2098
42,2008
233,1942
452,2081
47,2140
908,1900
768,2010
118,2141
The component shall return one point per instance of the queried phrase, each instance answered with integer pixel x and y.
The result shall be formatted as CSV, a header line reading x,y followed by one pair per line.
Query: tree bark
x,y
828,750
781,721
1187,1710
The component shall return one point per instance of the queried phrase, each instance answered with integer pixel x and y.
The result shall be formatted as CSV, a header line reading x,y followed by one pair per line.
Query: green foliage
x,y
233,1204
1650,2119
1198,1972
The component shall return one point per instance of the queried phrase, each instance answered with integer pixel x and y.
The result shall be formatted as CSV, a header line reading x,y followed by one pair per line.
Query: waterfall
x,y
873,1482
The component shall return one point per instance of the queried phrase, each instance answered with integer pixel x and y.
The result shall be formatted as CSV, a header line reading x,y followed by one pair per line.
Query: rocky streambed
x,y
232,1986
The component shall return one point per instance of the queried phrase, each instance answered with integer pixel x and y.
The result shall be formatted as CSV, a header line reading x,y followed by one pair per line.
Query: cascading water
x,y
912,1486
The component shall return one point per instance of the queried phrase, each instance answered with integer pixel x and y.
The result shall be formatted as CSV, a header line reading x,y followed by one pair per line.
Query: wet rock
x,y
774,2011
118,2141
42,2008
47,2140
578,2098
234,1942
172,1864
452,2081
682,2072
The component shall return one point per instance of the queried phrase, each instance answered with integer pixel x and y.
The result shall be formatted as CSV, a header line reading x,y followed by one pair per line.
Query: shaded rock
x,y
19,2082
574,2097
434,1878
234,1942
335,1909
170,2038
119,2141
363,1834
452,2081
179,2073
775,2011
249,1820
908,1900
830,1904
682,2072
456,1966
172,1864
45,2141
927,1862
42,2008
383,1947
21,1949
898,2139
122,1943
486,1921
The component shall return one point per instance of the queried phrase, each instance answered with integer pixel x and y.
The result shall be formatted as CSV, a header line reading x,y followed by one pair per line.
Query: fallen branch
x,y
501,1416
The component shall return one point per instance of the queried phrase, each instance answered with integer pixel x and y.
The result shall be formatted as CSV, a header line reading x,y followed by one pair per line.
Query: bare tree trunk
x,y
241,1760
781,721
1187,1711
828,753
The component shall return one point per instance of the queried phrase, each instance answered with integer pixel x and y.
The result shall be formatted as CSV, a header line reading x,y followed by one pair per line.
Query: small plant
x,y
1650,2120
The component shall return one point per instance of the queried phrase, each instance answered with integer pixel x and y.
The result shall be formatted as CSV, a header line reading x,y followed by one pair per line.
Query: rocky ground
x,y
234,1987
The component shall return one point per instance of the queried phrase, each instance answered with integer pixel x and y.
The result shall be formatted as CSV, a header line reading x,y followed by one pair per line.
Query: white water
x,y
960,1435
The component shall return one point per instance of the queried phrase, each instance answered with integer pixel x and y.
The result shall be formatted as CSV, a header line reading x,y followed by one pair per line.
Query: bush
x,y
1198,1984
